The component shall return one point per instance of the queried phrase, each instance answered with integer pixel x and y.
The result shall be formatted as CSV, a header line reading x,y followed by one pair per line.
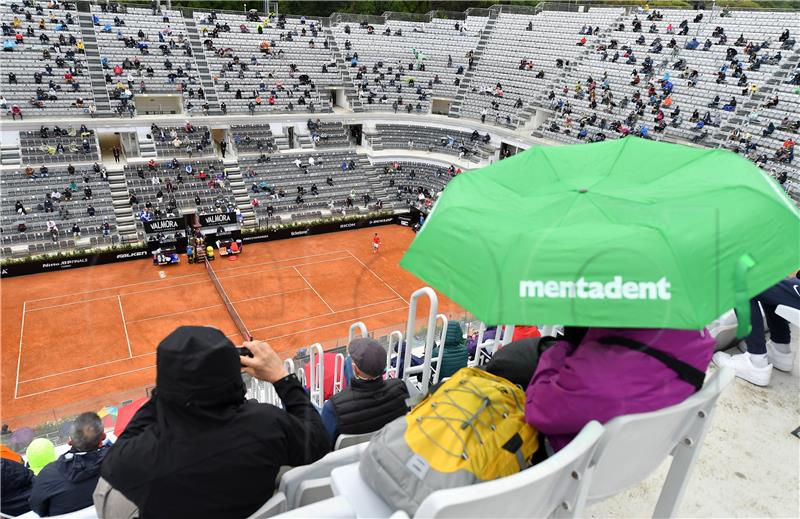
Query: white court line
x,y
314,289
205,281
176,277
86,367
92,381
235,334
333,324
16,392
19,354
215,306
125,326
281,261
377,277
321,315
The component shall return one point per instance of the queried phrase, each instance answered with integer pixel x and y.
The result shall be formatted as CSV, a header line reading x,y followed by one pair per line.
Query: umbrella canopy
x,y
624,233
125,414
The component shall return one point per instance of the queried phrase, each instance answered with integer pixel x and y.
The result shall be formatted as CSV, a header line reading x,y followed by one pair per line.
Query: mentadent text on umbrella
x,y
583,289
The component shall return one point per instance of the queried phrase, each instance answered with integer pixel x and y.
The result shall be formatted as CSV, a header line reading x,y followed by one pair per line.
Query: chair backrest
x,y
291,481
84,513
274,506
348,440
549,488
641,442
790,314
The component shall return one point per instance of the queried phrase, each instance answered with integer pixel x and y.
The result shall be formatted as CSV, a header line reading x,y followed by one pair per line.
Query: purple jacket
x,y
573,385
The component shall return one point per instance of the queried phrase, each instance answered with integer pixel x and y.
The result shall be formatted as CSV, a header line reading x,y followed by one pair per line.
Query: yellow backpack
x,y
471,429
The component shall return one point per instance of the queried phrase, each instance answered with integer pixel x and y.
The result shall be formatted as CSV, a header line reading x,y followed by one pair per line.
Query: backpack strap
x,y
686,372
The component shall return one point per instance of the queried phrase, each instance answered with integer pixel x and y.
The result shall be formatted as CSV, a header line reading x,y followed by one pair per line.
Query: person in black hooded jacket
x,y
66,485
16,480
197,448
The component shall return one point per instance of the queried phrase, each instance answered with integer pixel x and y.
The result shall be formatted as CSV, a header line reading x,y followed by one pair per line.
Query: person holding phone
x,y
198,448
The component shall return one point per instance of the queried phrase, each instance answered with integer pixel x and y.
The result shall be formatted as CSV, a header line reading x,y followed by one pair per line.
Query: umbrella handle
x,y
743,266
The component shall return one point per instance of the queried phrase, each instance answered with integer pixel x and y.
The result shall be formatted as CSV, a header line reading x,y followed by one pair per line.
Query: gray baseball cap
x,y
368,355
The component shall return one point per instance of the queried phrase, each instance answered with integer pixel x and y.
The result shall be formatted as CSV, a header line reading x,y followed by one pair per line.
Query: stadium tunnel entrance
x,y
158,104
356,133
127,142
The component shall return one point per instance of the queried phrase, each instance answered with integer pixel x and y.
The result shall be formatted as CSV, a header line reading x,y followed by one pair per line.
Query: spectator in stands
x,y
198,412
755,365
572,384
455,354
368,402
66,485
692,44
16,480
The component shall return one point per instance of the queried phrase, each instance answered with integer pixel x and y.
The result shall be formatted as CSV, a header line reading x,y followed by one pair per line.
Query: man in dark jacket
x,y
198,448
16,480
66,485
368,402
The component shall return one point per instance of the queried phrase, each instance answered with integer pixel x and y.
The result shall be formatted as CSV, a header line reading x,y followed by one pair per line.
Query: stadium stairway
x,y
120,195
466,80
10,155
304,141
98,84
202,67
239,189
344,71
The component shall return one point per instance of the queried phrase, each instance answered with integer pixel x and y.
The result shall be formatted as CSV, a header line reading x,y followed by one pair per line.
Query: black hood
x,y
198,370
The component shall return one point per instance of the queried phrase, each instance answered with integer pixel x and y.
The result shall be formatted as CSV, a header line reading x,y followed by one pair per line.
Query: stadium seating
x,y
214,192
414,184
388,62
264,181
32,193
50,48
553,36
150,51
35,149
431,139
239,63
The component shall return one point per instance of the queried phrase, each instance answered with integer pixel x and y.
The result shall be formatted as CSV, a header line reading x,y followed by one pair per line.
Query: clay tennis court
x,y
80,339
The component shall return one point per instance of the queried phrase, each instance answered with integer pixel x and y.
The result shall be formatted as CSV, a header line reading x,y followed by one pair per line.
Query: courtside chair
x,y
633,446
550,488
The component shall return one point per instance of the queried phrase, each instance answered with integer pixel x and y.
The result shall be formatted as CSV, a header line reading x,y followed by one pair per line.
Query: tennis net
x,y
225,299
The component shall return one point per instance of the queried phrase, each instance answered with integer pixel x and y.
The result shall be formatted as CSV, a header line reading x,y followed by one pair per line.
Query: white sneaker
x,y
744,367
779,360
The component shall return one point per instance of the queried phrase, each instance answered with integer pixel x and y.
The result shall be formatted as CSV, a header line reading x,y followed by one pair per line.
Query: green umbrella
x,y
624,233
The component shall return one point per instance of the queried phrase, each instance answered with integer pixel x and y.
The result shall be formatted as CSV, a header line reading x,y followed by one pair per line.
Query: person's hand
x,y
265,364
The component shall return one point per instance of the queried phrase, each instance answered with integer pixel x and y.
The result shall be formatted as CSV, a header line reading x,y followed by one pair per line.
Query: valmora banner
x,y
215,219
165,225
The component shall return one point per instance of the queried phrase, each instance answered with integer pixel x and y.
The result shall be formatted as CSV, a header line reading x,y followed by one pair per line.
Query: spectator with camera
x,y
198,448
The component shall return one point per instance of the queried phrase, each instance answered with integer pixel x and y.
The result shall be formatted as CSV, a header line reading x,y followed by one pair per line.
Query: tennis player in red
x,y
376,243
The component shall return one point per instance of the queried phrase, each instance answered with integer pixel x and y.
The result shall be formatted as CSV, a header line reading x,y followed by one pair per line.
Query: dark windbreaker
x,y
197,448
66,485
16,480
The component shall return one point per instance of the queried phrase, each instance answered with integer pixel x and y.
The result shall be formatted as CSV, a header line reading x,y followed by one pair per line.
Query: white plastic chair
x,y
338,373
84,513
544,490
547,489
348,440
333,508
633,446
790,314
311,483
274,506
